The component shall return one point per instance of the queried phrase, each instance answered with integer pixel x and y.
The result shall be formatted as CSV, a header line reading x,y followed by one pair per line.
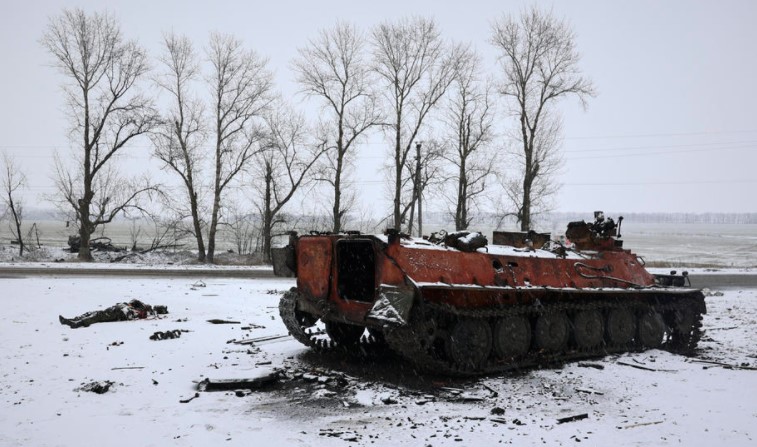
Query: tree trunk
x,y
16,220
528,153
18,232
268,214
411,218
84,203
420,213
267,230
84,231
418,189
210,258
197,227
461,214
525,214
338,191
397,176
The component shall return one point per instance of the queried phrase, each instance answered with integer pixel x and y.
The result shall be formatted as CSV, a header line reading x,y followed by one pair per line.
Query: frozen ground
x,y
335,400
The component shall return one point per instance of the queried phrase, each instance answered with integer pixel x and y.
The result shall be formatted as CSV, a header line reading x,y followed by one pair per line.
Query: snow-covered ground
x,y
334,400
62,256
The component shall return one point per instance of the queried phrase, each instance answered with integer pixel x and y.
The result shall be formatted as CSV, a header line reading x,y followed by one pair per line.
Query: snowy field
x,y
335,400
678,245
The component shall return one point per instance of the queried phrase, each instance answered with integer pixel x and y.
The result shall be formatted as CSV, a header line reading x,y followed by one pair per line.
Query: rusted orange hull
x,y
498,276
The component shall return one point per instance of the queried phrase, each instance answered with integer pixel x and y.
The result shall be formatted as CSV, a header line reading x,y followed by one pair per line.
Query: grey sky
x,y
672,129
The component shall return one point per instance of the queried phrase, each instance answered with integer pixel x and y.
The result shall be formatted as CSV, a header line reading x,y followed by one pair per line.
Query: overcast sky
x,y
673,127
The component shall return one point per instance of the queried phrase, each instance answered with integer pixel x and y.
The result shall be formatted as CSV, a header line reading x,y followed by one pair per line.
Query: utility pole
x,y
418,188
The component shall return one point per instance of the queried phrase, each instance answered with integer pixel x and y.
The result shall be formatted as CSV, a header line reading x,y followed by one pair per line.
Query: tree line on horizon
x,y
221,122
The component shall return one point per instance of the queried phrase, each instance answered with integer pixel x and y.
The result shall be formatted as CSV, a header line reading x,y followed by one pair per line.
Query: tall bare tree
x,y
416,68
285,165
106,109
241,87
12,181
539,61
469,118
179,138
332,67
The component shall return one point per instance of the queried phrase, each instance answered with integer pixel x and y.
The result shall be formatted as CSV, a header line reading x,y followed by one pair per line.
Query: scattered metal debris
x,y
252,383
591,365
190,399
643,424
165,335
589,391
577,417
219,321
744,366
250,341
491,390
97,387
645,368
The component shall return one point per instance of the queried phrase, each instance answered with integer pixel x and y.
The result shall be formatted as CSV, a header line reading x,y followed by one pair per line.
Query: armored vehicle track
x,y
464,342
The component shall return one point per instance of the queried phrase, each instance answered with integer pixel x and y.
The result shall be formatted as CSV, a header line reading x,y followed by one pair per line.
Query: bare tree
x,y
469,120
285,165
332,67
13,180
244,226
241,88
179,139
416,68
102,70
540,65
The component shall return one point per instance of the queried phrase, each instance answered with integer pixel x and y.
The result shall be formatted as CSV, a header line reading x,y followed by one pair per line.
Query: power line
x,y
725,143
660,153
658,183
681,134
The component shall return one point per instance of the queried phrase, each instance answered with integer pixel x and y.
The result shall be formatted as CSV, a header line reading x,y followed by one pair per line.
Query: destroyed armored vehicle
x,y
454,304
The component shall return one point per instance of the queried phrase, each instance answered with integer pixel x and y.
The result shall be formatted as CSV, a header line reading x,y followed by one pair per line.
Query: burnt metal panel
x,y
520,239
314,255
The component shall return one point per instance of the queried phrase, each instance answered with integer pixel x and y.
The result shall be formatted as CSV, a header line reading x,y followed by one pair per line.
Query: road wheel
x,y
468,343
305,319
552,331
651,330
588,329
344,334
512,337
682,320
621,326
